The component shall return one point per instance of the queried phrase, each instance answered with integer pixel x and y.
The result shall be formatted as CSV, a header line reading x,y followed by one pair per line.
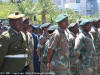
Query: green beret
x,y
61,17
96,20
71,25
45,25
84,22
53,27
79,20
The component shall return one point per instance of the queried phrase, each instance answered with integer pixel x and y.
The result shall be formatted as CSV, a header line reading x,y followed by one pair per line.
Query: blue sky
x,y
98,0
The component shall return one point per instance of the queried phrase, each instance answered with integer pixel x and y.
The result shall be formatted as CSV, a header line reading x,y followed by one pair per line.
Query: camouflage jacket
x,y
96,38
84,44
59,44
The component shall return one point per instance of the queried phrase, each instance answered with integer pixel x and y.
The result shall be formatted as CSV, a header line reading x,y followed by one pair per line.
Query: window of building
x,y
58,2
89,12
76,11
72,1
77,1
90,0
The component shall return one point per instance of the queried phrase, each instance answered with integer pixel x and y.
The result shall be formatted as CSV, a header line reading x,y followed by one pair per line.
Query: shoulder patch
x,y
71,37
80,36
6,34
56,33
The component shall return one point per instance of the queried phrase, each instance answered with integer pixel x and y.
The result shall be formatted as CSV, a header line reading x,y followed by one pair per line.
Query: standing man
x,y
85,47
58,53
13,46
30,42
41,44
73,32
95,33
36,35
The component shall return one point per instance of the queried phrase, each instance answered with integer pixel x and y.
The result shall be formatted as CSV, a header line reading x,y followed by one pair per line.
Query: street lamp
x,y
18,2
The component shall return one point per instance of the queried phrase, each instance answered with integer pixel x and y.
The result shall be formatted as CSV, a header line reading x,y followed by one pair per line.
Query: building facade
x,y
84,7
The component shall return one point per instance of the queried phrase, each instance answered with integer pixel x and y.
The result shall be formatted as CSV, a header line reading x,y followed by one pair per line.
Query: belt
x,y
17,56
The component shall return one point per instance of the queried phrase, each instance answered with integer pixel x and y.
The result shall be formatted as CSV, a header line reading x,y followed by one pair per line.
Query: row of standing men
x,y
70,49
60,49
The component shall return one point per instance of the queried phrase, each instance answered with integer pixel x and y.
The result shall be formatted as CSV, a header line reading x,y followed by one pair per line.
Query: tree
x,y
46,7
6,9
27,7
71,15
0,1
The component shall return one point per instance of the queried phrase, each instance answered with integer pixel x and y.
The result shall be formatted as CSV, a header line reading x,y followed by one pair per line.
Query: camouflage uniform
x,y
43,46
86,48
30,43
59,44
73,65
96,39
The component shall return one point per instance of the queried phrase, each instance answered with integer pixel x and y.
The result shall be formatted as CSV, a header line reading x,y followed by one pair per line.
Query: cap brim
x,y
61,19
13,16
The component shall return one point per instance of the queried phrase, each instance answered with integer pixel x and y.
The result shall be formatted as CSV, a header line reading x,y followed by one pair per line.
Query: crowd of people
x,y
62,49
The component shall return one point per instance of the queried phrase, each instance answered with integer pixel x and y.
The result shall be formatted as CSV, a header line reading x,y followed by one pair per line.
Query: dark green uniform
x,y
12,51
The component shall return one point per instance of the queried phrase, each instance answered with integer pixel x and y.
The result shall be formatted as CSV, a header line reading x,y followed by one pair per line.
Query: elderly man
x,y
13,46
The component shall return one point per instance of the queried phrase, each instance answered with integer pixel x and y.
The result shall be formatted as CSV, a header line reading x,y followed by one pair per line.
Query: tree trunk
x,y
0,1
43,18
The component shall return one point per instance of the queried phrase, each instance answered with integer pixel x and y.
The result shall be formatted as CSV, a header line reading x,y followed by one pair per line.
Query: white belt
x,y
17,56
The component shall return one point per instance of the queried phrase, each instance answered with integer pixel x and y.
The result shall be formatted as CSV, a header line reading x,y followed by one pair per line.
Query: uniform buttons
x,y
0,45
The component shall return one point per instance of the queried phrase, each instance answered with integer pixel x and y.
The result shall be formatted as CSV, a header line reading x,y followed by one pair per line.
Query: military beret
x,y
37,26
71,25
79,20
53,27
45,25
84,22
61,17
16,15
96,20
27,20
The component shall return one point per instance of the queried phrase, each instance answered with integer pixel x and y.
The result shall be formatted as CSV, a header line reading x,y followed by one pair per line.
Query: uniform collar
x,y
61,30
72,34
14,30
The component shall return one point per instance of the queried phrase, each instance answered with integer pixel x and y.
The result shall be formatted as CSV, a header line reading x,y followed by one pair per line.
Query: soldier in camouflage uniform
x,y
41,45
30,42
95,33
51,29
73,31
84,47
58,53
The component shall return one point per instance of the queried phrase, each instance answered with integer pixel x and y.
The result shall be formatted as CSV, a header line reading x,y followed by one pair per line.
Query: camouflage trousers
x,y
98,61
61,72
88,68
74,67
44,68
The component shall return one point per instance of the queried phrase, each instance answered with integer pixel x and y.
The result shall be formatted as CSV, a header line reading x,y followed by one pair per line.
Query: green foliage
x,y
47,7
71,15
6,9
27,7
85,17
